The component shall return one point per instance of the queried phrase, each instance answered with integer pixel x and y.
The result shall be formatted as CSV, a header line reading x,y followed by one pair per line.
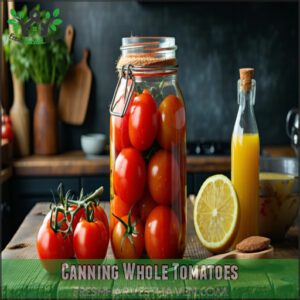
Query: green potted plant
x,y
47,60
48,64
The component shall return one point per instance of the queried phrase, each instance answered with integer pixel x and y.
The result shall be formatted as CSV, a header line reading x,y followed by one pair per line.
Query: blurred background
x,y
214,40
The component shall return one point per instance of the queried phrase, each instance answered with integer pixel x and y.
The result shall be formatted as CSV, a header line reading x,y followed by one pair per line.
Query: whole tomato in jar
x,y
129,175
171,129
143,121
163,177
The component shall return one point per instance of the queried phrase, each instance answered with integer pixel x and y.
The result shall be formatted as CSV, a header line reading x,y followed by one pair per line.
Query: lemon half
x,y
216,213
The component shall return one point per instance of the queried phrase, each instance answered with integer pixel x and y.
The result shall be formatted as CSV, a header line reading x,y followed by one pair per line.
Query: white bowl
x,y
93,144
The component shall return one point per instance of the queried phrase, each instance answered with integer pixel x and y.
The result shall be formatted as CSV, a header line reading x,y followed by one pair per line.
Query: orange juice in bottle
x,y
245,157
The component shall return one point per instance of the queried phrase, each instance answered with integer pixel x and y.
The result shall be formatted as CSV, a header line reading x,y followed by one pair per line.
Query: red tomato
x,y
7,132
77,216
146,205
90,240
51,245
163,177
128,241
143,121
171,129
100,215
129,175
120,209
162,233
119,127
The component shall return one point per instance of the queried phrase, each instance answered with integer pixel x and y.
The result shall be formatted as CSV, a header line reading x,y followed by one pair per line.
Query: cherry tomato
x,y
146,205
90,240
162,233
100,215
120,209
77,216
119,127
129,175
52,245
7,132
128,239
163,177
143,121
171,129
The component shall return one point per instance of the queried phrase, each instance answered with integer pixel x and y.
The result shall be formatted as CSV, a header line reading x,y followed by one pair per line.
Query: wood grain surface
x,y
36,283
22,244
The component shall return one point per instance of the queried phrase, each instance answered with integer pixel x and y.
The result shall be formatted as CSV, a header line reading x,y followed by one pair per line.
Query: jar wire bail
x,y
127,75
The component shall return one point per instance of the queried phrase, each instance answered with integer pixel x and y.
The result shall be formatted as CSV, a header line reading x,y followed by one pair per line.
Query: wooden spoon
x,y
235,254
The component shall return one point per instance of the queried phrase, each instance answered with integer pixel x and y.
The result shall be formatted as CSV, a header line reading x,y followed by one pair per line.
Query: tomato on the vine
x,y
129,175
146,205
90,240
52,245
120,209
172,124
162,233
143,121
163,177
99,214
128,238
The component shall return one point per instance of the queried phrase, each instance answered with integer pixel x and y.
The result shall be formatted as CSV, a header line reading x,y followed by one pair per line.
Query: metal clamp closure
x,y
126,95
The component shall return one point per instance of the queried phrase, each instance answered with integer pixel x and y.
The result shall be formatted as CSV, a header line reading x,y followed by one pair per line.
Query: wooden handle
x,y
69,35
231,254
85,56
10,5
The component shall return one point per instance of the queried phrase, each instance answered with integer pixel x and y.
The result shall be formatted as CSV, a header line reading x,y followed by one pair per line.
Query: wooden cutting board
x,y
75,92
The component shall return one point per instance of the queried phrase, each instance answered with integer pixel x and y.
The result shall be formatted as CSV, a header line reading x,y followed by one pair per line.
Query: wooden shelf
x,y
76,163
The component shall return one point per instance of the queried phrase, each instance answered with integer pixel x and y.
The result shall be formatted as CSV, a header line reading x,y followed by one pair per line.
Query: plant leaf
x,y
48,15
56,12
13,12
53,27
57,22
21,14
12,21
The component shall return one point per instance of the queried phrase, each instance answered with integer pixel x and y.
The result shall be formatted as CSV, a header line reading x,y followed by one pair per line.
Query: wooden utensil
x,y
235,254
69,37
75,92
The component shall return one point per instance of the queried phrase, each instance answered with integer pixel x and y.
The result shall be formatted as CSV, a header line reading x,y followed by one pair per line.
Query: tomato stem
x,y
62,207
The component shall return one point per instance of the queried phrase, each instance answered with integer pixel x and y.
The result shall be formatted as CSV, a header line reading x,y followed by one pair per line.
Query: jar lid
x,y
141,51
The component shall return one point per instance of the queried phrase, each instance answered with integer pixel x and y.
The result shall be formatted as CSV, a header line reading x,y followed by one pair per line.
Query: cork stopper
x,y
246,76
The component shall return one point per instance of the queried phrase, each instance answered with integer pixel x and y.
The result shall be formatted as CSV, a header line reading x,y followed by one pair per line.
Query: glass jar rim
x,y
148,44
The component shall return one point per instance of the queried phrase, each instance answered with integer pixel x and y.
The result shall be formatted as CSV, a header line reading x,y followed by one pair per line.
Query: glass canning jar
x,y
148,152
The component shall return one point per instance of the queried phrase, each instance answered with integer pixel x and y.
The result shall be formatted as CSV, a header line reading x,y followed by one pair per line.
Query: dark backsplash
x,y
214,40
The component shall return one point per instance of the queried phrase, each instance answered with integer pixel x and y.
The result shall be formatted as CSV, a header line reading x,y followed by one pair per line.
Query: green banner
x,y
146,279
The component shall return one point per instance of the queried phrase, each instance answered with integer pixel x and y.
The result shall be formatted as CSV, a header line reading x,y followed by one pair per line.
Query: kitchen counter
x,y
76,163
38,282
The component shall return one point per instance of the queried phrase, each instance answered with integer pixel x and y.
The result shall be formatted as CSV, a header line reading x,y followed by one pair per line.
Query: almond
x,y
253,244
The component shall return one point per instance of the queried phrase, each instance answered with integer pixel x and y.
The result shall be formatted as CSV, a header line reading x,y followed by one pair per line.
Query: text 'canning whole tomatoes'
x,y
148,152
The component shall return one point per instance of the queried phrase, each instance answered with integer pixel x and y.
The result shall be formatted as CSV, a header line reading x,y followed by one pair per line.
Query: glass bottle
x,y
148,151
245,157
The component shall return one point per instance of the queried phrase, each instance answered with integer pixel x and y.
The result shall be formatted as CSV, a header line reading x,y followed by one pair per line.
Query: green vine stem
x,y
65,201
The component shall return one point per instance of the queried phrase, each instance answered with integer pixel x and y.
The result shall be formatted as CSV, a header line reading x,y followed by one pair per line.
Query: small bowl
x,y
93,144
279,195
